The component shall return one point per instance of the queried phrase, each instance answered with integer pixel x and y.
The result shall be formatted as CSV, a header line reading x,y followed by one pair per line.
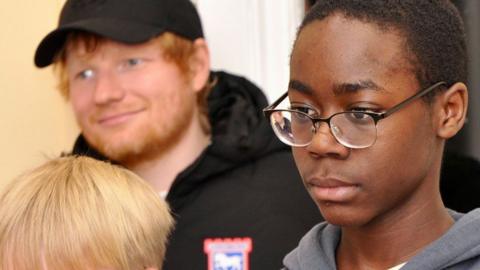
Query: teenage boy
x,y
376,88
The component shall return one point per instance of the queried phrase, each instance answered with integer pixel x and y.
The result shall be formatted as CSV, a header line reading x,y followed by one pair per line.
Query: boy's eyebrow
x,y
300,87
338,88
352,88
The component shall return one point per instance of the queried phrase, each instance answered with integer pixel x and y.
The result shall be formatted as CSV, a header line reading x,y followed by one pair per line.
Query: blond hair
x,y
175,49
77,212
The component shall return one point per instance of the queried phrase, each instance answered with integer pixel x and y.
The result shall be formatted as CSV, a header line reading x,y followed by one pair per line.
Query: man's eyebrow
x,y
352,88
300,87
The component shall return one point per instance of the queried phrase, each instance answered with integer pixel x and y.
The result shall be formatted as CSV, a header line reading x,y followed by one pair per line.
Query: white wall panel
x,y
252,38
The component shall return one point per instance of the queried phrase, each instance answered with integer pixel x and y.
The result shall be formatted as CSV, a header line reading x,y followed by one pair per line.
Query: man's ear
x,y
200,64
452,107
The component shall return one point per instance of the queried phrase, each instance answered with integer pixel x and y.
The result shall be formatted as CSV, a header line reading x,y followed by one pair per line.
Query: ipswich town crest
x,y
228,253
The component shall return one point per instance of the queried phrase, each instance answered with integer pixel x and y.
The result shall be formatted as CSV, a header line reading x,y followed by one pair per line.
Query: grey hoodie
x,y
457,249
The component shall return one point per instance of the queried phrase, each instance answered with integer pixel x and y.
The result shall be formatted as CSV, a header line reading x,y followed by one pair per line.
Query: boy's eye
x,y
359,115
304,109
364,109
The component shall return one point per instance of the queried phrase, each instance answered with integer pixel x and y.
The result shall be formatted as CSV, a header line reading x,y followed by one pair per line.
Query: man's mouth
x,y
117,118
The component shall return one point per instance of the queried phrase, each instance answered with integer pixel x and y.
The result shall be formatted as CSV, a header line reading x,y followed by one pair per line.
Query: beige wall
x,y
35,122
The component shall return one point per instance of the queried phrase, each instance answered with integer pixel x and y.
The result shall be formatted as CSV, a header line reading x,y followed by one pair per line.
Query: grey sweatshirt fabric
x,y
457,249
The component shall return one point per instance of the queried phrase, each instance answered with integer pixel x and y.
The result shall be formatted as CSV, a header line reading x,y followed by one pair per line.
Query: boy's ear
x,y
200,64
451,108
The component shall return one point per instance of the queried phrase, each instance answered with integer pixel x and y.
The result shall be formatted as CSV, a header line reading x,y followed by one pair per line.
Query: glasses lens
x,y
292,128
354,129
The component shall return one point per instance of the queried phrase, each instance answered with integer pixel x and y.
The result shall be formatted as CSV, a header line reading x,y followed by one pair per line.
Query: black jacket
x,y
460,182
243,186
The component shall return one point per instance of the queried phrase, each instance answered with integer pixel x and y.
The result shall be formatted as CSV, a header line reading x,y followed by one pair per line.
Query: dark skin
x,y
385,197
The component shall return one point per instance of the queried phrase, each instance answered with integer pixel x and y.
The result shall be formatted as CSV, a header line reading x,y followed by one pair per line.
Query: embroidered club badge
x,y
228,253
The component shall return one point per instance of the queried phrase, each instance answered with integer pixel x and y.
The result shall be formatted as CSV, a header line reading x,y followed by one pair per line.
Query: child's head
x,y
80,213
376,88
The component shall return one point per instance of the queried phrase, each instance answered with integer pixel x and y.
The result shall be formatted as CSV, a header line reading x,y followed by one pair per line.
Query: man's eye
x,y
133,62
85,74
130,63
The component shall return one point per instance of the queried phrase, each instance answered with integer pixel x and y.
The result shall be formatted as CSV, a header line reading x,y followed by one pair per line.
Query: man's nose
x,y
108,89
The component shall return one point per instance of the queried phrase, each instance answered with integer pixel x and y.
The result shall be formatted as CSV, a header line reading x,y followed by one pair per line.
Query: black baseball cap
x,y
126,21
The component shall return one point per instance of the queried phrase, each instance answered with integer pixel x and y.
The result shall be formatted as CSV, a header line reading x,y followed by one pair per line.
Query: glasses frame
x,y
267,111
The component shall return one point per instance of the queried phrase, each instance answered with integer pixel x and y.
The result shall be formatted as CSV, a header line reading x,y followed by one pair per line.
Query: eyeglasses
x,y
352,129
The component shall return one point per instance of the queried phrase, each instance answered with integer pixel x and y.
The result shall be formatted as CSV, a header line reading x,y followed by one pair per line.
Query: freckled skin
x,y
129,112
397,178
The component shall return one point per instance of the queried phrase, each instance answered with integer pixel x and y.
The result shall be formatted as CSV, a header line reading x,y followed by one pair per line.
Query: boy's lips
x,y
332,190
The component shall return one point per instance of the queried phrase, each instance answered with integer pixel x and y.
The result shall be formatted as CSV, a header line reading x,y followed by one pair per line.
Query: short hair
x,y
310,3
77,212
434,32
175,48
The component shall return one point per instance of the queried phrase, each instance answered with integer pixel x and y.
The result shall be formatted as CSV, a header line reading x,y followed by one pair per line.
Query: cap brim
x,y
117,30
